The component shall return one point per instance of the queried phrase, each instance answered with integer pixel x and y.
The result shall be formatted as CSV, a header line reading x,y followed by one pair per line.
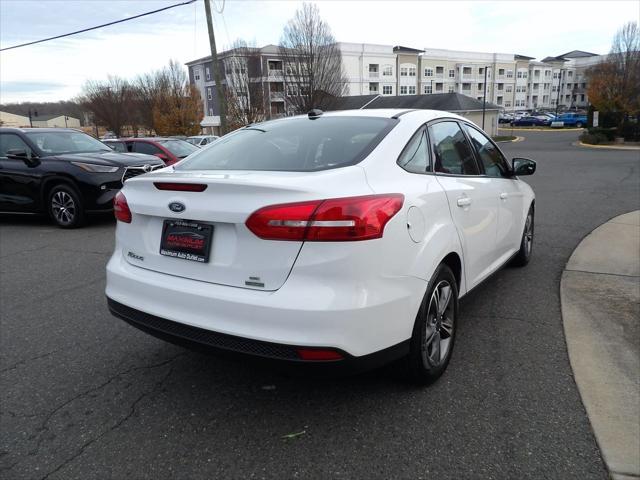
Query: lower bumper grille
x,y
152,324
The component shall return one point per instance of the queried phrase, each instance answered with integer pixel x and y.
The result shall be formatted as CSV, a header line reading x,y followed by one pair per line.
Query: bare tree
x,y
149,88
313,70
110,102
244,90
614,85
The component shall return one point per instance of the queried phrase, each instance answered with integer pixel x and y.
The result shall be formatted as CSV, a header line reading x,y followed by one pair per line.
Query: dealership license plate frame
x,y
188,230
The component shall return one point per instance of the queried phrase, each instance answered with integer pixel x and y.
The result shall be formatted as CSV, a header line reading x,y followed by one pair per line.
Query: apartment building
x,y
511,81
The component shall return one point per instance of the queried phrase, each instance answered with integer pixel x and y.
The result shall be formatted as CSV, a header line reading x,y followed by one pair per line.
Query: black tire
x,y
65,206
420,366
526,243
578,124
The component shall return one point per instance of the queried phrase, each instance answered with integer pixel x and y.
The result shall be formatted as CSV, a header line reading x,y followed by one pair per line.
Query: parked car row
x,y
526,119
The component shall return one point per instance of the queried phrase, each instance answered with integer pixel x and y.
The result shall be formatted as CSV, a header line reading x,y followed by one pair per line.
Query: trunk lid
x,y
236,257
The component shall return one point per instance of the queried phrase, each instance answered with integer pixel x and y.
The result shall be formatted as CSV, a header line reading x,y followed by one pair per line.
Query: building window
x,y
403,90
439,87
452,73
582,98
210,112
466,87
196,74
404,71
387,71
501,71
451,89
501,86
292,90
373,69
481,71
509,73
480,86
427,89
387,90
373,88
439,70
507,103
508,89
412,90
412,71
524,74
519,76
499,100
209,94
207,73
466,70
428,72
570,74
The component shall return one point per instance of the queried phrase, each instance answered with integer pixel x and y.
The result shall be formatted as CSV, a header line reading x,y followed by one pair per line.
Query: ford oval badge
x,y
177,207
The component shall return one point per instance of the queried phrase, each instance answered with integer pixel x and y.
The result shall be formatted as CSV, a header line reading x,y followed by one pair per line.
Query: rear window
x,y
294,145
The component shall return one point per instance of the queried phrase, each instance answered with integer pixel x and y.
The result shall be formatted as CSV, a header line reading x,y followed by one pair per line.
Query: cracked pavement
x,y
83,395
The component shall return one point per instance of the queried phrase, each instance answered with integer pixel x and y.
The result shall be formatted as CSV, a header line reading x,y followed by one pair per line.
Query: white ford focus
x,y
342,239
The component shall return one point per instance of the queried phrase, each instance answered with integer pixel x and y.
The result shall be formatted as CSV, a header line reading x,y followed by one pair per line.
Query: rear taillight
x,y
334,220
121,208
181,187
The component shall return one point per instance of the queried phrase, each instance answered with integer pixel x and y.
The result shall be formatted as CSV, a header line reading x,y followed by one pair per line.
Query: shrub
x,y
608,133
593,138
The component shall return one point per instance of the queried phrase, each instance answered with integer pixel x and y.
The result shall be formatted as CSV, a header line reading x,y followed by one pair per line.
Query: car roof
x,y
36,129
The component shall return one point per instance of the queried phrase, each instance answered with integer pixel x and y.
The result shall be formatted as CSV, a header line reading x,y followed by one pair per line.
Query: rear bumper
x,y
357,319
279,354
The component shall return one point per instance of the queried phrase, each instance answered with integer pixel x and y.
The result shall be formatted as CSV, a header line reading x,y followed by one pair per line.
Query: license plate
x,y
186,240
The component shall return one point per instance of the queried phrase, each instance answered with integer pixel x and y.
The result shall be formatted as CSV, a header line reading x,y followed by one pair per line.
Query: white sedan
x,y
343,239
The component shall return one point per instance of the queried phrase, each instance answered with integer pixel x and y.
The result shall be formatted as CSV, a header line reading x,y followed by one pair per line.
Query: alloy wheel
x,y
63,207
528,234
439,324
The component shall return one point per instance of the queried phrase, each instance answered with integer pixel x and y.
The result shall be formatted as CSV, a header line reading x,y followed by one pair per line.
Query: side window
x,y
452,152
144,147
11,141
495,165
415,156
118,147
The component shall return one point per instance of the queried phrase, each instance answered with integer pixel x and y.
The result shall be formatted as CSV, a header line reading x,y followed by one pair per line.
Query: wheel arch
x,y
50,182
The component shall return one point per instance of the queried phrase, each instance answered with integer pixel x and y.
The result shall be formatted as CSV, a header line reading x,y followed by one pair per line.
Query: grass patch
x,y
503,138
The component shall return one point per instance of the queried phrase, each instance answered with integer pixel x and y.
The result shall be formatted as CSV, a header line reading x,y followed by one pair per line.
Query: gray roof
x,y
577,54
401,49
448,102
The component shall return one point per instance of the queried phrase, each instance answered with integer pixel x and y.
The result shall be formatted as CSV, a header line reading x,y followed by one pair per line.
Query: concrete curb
x,y
608,147
600,297
517,139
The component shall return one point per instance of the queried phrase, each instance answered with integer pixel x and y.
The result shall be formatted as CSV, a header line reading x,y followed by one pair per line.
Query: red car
x,y
170,150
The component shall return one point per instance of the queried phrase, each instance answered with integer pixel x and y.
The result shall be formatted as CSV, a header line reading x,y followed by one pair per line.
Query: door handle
x,y
464,201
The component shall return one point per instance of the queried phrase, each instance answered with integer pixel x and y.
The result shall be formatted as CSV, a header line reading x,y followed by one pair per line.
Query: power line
x,y
99,26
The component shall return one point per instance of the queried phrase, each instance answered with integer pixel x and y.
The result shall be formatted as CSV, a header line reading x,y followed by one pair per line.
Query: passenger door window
x,y
415,156
452,152
11,141
495,165
144,147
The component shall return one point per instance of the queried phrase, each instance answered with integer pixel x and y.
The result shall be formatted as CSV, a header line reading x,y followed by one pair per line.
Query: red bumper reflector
x,y
181,187
318,354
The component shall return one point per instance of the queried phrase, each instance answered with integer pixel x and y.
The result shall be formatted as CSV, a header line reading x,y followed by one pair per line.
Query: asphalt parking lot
x,y
83,395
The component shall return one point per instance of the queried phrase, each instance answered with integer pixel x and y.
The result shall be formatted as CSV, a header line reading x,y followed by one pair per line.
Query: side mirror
x,y
523,166
24,155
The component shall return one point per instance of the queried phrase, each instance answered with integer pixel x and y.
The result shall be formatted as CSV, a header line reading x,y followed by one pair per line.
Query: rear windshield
x,y
294,145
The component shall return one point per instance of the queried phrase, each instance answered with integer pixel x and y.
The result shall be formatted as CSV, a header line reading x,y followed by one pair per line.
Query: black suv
x,y
63,172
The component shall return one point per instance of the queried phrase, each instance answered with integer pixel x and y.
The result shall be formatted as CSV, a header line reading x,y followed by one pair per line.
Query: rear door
x,y
472,203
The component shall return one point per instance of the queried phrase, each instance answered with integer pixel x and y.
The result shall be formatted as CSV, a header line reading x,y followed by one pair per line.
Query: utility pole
x,y
30,120
216,72
484,96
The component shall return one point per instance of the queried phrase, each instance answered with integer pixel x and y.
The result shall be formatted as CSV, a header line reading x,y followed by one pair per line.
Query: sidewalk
x,y
600,295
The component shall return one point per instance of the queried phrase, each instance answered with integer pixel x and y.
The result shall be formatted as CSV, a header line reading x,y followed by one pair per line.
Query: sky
x,y
56,70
